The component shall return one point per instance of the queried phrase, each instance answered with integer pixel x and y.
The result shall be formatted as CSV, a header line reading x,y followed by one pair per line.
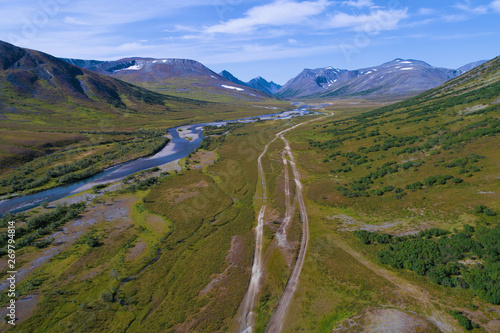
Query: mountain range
x,y
398,78
182,77
31,73
39,91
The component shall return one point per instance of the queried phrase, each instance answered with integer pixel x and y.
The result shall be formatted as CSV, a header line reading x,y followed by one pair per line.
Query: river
x,y
177,148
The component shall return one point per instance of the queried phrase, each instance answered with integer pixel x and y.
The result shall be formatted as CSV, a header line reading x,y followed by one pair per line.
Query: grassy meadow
x,y
175,256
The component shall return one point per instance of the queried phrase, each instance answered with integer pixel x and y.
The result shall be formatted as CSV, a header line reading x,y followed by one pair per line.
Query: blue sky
x,y
273,39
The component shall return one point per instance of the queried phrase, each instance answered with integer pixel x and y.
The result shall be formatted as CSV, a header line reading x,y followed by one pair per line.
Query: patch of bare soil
x,y
184,196
397,228
232,258
90,275
202,158
350,224
236,251
395,321
271,216
156,222
136,251
24,308
177,195
386,321
492,326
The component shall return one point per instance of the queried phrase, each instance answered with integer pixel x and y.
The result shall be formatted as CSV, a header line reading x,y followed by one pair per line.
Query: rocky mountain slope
x,y
182,77
36,87
399,78
258,83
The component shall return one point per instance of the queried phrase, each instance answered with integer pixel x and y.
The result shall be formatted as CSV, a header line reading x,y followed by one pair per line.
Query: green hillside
x,y
448,132
414,188
66,114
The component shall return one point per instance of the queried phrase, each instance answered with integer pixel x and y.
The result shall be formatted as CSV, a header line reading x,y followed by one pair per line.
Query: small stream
x,y
177,148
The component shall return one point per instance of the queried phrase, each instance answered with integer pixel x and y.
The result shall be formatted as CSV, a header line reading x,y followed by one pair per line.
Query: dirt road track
x,y
441,319
278,317
246,318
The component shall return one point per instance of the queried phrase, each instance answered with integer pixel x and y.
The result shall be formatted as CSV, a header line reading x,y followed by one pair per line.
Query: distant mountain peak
x,y
472,65
226,74
258,83
185,77
400,78
29,74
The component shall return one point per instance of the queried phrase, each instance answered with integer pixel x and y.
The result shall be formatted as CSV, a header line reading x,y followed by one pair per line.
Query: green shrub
x,y
463,320
489,212
415,186
44,242
92,241
107,296
436,254
437,180
479,209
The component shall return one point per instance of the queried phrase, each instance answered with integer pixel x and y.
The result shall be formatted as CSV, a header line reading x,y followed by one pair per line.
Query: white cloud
x,y
73,20
462,36
480,10
496,5
131,46
188,37
359,3
455,17
374,22
256,52
427,11
183,28
279,13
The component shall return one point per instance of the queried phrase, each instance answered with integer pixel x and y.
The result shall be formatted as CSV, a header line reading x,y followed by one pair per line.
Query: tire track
x,y
281,233
278,317
246,319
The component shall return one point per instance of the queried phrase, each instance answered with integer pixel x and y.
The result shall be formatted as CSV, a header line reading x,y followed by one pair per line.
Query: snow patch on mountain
x,y
231,87
137,66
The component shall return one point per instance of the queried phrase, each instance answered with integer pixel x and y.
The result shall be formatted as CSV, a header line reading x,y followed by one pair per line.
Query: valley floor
x,y
177,255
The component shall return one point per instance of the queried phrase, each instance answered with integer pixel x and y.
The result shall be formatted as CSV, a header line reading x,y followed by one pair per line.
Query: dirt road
x,y
278,318
441,319
246,319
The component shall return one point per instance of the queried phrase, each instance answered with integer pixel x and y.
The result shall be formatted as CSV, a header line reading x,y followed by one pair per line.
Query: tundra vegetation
x,y
415,181
180,261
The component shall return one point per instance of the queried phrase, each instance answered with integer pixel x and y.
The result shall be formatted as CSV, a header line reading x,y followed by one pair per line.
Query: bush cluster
x,y
437,253
43,224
